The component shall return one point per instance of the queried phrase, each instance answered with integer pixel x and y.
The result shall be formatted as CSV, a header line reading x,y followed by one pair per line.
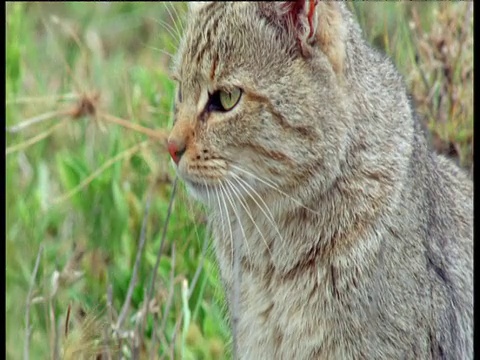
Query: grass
x,y
79,180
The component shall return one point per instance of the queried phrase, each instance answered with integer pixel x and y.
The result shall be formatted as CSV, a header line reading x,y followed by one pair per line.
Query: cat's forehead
x,y
210,36
226,44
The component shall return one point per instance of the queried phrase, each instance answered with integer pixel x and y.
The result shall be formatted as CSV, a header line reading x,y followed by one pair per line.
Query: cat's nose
x,y
176,148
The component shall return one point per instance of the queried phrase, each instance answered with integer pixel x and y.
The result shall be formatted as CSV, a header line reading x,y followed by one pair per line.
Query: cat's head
x,y
260,102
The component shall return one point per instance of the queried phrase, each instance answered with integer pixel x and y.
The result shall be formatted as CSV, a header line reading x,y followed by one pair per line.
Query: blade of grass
x,y
28,329
186,315
133,279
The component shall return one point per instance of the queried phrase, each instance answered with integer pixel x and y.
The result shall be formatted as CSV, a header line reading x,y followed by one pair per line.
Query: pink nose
x,y
176,149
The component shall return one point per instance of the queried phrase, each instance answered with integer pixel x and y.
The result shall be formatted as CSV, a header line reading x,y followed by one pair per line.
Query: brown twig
x,y
161,135
67,319
37,99
36,119
86,106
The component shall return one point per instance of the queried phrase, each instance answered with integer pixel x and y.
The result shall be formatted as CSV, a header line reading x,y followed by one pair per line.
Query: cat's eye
x,y
224,100
230,99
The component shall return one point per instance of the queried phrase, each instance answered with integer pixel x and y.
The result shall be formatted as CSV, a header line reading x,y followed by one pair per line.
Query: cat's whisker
x,y
171,31
178,17
178,31
208,192
271,182
256,177
270,215
170,55
240,180
234,207
248,212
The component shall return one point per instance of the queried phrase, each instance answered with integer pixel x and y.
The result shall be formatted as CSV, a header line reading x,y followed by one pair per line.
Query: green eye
x,y
229,99
223,100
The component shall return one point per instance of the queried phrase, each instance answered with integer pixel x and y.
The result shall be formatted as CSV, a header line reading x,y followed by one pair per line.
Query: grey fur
x,y
366,249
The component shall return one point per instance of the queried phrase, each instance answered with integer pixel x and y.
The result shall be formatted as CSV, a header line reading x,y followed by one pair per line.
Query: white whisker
x,y
169,29
160,50
177,16
247,211
274,187
265,181
178,31
208,192
270,215
230,200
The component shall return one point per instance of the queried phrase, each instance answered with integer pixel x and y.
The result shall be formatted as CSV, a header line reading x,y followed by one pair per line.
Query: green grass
x,y
112,48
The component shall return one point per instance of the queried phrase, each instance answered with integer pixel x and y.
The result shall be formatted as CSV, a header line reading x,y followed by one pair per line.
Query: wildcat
x,y
353,239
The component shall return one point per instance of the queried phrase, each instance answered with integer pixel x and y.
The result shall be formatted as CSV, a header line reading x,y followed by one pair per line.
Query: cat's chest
x,y
292,305
278,315
285,318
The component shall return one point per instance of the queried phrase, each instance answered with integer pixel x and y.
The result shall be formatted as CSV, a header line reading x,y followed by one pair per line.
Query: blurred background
x,y
88,187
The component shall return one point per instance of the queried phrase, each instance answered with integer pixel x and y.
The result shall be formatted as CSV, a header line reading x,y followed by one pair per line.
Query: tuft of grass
x,y
88,108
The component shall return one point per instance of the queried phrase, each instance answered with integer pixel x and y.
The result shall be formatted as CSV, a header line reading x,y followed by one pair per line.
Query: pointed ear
x,y
314,23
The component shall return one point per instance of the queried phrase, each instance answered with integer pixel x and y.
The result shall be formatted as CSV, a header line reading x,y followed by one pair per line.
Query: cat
x,y
352,238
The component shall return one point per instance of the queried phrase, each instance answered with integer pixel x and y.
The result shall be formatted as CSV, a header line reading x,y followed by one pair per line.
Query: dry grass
x,y
442,81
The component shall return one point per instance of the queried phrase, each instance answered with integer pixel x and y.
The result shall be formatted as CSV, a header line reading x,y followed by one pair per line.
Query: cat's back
x,y
436,215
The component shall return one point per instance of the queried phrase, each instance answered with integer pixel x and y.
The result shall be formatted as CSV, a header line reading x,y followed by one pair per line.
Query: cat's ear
x,y
315,23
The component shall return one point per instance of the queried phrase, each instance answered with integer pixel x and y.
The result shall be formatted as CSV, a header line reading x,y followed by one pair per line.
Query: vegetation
x,y
89,184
